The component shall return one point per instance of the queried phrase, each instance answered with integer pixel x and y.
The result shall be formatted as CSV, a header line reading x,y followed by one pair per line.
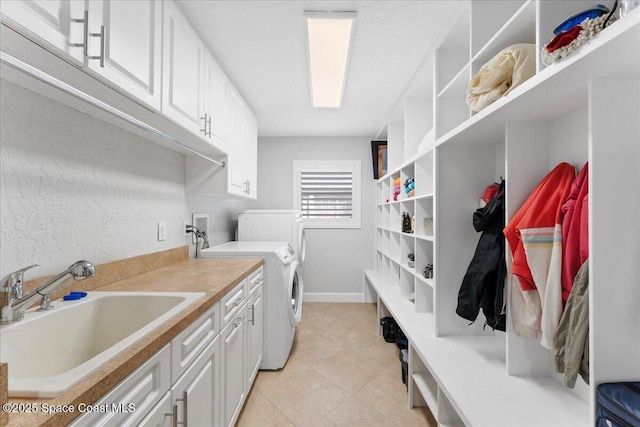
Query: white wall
x,y
335,257
74,187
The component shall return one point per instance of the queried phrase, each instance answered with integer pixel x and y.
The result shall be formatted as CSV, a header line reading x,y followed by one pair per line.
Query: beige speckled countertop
x,y
215,277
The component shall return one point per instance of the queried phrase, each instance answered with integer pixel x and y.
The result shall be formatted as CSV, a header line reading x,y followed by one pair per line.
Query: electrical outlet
x,y
162,231
184,228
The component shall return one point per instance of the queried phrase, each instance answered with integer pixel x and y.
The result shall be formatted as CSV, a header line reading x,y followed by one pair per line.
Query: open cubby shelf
x,y
581,109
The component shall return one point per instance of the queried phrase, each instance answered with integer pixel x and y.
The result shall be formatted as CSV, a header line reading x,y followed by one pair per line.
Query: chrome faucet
x,y
14,304
199,235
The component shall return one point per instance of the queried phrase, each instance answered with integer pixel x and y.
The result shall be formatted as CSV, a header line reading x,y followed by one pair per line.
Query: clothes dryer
x,y
282,290
276,225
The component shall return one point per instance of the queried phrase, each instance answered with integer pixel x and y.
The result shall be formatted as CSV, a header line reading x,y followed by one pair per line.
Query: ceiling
x,y
261,45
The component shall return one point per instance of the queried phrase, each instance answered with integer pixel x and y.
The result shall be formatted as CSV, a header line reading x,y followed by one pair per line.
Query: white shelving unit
x,y
581,109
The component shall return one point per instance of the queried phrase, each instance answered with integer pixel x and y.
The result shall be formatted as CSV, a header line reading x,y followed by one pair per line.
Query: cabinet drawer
x,y
255,280
133,397
231,303
186,347
161,414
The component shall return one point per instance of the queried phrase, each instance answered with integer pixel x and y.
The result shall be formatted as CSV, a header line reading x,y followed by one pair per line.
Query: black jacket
x,y
483,284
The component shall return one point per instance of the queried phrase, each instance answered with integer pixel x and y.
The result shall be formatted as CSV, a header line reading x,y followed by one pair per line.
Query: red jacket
x,y
575,230
541,209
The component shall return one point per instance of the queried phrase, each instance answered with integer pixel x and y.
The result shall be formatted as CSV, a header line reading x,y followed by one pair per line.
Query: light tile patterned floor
x,y
340,373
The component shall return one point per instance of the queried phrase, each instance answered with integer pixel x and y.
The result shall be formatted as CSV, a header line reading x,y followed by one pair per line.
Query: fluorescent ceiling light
x,y
329,36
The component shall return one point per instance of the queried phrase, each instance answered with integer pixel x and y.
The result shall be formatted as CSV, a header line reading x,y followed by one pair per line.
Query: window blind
x,y
326,194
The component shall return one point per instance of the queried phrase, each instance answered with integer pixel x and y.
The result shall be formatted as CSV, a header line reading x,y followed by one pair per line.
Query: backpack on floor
x,y
618,405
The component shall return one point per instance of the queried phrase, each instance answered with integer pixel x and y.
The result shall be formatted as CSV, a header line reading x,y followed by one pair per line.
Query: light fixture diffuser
x,y
329,36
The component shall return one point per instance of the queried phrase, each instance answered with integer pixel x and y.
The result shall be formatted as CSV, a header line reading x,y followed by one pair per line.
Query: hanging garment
x,y
575,230
500,75
483,284
572,339
543,249
539,218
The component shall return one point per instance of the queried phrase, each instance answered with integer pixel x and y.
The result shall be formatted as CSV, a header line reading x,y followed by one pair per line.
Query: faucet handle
x,y
12,284
14,278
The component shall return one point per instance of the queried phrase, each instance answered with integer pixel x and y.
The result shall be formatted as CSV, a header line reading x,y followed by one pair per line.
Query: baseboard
x,y
333,297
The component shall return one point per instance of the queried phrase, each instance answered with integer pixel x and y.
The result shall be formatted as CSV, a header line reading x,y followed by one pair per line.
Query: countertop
x,y
214,277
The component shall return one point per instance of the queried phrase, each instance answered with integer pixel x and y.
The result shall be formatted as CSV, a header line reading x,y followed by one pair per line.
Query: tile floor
x,y
340,373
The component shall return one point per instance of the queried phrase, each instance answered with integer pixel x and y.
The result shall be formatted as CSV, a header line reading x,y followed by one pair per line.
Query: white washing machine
x,y
276,225
282,290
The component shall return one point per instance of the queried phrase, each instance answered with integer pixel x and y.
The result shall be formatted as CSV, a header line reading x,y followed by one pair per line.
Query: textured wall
x,y
74,187
335,258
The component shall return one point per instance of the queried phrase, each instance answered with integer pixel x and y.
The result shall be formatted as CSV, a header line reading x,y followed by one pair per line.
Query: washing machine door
x,y
294,294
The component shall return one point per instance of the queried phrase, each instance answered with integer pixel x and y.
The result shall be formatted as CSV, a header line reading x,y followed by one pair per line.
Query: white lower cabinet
x,y
195,394
200,379
194,399
255,335
128,402
233,367
161,415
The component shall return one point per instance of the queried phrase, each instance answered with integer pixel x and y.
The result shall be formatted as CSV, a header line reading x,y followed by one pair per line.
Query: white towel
x,y
505,71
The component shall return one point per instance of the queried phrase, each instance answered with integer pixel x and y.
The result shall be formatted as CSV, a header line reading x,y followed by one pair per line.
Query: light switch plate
x,y
162,231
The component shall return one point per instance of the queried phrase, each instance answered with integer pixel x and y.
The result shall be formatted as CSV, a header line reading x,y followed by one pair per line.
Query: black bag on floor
x,y
401,340
389,329
618,405
404,362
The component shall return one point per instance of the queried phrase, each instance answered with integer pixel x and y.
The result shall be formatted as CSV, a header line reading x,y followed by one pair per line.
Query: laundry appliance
x,y
274,225
282,290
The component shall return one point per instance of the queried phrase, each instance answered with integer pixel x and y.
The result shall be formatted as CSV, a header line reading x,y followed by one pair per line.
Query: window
x,y
327,193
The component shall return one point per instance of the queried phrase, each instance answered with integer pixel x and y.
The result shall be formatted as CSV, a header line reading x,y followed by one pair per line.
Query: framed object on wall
x,y
379,156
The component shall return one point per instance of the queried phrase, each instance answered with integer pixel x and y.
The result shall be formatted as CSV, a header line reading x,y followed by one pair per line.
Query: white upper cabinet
x,y
216,100
137,54
183,66
125,41
251,154
59,23
236,145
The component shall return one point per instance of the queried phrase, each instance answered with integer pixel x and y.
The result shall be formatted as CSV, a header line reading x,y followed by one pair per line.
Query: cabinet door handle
x,y
174,416
208,122
238,321
253,314
85,39
185,407
101,35
204,120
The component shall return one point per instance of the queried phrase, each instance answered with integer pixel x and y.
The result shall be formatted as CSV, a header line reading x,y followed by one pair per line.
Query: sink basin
x,y
49,352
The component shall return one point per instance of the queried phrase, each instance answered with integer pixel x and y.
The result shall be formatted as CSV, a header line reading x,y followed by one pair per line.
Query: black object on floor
x,y
404,361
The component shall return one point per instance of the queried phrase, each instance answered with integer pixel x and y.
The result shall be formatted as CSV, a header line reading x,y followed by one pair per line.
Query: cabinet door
x,y
233,368
196,394
255,335
251,154
235,145
130,56
183,56
216,99
57,23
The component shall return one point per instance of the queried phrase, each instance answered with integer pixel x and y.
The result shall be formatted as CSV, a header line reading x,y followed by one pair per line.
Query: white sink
x,y
49,352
